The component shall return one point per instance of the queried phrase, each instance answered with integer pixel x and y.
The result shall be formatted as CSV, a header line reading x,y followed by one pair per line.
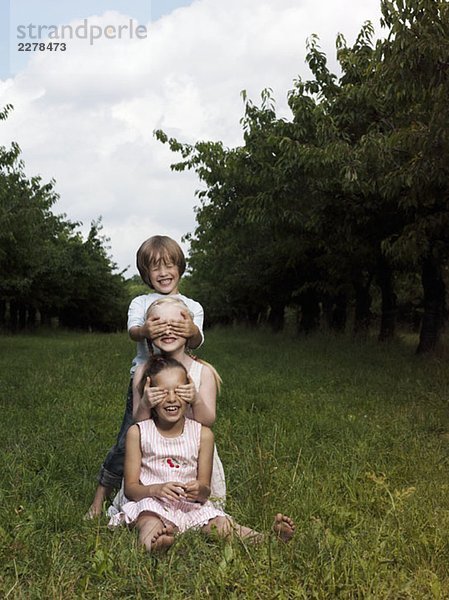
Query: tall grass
x,y
350,439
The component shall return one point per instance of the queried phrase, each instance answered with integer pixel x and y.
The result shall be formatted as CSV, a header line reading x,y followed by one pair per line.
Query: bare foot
x,y
163,530
163,538
283,527
163,543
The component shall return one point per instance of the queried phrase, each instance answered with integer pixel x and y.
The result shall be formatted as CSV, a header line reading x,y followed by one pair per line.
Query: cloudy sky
x,y
85,116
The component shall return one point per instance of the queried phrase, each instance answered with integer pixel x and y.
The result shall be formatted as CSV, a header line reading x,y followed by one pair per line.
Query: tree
x,y
46,267
96,296
351,192
243,264
414,60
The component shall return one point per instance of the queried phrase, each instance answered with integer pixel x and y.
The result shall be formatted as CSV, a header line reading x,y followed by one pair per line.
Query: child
x,y
199,393
161,263
168,467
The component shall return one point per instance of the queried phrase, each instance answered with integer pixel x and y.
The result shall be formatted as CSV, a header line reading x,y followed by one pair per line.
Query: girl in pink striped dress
x,y
168,466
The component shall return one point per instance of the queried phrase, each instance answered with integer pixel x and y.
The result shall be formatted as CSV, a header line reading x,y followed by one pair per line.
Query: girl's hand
x,y
152,396
187,391
172,490
196,492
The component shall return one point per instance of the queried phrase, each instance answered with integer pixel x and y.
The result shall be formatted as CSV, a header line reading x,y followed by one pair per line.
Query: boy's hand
x,y
172,490
184,327
152,396
196,492
154,327
187,391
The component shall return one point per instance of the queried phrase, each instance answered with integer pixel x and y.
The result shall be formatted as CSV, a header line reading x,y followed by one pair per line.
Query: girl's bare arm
x,y
140,411
133,459
204,406
198,490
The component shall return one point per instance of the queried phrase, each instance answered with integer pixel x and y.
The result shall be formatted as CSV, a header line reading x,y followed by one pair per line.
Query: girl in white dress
x,y
200,392
168,465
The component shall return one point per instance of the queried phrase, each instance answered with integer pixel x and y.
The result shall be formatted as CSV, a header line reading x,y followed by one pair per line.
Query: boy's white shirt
x,y
136,318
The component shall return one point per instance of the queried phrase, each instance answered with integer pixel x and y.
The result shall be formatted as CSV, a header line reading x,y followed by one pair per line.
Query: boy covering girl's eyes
x,y
161,264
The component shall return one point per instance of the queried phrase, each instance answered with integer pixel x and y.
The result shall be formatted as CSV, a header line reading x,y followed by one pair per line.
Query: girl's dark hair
x,y
155,365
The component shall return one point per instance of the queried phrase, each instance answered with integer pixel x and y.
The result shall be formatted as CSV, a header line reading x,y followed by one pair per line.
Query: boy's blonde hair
x,y
156,249
182,305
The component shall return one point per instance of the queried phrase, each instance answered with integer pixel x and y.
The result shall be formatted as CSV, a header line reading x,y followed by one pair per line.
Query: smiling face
x,y
172,409
164,275
168,311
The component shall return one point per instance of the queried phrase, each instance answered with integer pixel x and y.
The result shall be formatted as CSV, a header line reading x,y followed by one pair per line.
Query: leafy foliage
x,y
351,192
46,266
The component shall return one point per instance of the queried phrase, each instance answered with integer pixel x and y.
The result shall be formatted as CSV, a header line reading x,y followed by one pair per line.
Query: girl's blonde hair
x,y
182,305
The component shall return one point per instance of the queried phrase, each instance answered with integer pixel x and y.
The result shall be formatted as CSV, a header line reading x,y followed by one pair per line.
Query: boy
x,y
161,264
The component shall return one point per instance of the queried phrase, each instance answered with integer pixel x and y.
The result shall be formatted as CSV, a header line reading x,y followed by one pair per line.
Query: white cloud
x,y
85,117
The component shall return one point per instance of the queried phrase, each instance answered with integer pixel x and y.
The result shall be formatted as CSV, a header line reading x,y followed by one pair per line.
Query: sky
x,y
85,116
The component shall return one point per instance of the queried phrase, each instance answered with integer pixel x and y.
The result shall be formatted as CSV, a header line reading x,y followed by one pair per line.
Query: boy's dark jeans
x,y
111,472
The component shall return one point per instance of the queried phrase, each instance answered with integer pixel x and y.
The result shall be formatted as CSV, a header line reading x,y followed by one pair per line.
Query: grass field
x,y
350,439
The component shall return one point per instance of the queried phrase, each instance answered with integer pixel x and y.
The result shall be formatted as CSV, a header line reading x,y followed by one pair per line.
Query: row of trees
x,y
47,269
347,197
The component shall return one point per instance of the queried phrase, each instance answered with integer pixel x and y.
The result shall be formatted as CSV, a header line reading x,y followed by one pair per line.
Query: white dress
x,y
217,482
169,459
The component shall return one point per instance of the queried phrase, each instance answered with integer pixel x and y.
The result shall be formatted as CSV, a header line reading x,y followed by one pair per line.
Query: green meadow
x,y
349,438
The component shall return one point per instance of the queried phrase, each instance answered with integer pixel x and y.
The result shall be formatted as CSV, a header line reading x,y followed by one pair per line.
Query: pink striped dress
x,y
169,459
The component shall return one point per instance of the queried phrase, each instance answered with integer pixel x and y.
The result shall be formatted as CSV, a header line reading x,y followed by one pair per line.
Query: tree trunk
x,y
389,301
22,316
362,317
2,314
327,305
335,309
250,318
276,318
13,315
32,316
310,312
340,313
434,305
